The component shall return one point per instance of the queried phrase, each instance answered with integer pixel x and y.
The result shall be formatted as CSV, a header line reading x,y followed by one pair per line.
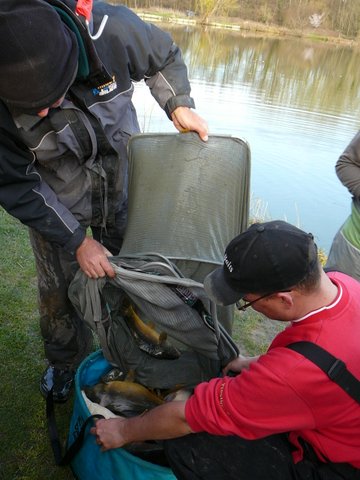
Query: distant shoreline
x,y
246,27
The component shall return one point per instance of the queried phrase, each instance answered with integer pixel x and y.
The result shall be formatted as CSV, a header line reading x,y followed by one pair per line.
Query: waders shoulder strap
x,y
334,368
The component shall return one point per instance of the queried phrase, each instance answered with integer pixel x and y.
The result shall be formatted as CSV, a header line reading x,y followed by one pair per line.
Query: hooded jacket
x,y
348,171
64,172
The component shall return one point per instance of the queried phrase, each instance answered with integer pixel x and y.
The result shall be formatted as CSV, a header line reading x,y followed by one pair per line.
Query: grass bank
x,y
25,452
246,27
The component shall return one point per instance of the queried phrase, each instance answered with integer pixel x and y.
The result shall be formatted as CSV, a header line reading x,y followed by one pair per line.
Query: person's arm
x,y
171,89
238,364
161,423
151,55
25,196
348,166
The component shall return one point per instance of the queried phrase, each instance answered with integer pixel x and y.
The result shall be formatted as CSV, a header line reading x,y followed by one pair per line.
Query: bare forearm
x,y
161,423
167,421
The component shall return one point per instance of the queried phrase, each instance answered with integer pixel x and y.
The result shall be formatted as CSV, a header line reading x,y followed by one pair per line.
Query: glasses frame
x,y
246,305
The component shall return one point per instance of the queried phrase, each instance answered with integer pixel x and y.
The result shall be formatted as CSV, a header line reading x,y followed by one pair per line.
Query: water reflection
x,y
292,72
295,101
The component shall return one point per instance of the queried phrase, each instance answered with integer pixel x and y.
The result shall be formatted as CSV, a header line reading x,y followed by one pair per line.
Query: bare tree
x,y
208,8
342,16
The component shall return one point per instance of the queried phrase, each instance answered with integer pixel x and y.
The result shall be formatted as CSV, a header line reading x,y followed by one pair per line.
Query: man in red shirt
x,y
282,417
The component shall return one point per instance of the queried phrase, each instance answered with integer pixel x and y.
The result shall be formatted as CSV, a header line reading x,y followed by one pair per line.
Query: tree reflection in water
x,y
294,100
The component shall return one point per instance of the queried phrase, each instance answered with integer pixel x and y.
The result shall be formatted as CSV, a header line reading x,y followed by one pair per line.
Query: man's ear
x,y
286,298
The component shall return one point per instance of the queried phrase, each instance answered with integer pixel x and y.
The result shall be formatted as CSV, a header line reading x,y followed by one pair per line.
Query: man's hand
x,y
239,363
186,120
92,258
109,433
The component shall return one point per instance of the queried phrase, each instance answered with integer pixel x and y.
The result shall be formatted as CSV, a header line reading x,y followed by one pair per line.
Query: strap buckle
x,y
336,370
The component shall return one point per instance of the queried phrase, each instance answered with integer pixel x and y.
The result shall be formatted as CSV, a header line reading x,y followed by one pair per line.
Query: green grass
x,y
25,452
253,332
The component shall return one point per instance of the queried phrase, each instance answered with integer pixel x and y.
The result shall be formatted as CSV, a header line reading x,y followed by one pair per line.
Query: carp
x,y
147,338
113,374
123,397
179,394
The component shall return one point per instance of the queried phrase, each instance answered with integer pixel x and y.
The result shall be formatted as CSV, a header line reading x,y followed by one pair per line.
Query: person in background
x,y
66,116
280,416
345,249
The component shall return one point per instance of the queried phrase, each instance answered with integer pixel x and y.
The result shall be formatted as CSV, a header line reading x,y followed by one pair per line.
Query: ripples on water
x,y
298,116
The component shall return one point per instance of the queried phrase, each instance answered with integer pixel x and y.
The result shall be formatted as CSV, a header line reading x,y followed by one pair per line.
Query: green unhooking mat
x,y
187,198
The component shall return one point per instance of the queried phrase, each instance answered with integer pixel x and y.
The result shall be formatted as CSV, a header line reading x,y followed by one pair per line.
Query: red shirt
x,y
285,392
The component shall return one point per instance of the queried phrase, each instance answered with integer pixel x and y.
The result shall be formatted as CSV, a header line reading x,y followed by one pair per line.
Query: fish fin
x,y
162,338
130,377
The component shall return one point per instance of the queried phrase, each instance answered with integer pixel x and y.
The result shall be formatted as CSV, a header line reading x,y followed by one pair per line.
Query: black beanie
x,y
38,55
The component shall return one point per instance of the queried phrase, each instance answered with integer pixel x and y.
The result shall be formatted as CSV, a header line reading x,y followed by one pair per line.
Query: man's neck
x,y
324,296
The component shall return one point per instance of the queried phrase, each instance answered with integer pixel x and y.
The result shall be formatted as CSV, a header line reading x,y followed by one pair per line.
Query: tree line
x,y
339,16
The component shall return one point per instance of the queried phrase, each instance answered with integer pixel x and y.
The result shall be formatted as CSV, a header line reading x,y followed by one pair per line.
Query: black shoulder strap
x,y
334,368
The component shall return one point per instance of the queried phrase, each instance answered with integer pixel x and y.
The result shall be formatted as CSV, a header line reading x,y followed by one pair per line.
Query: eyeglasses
x,y
242,304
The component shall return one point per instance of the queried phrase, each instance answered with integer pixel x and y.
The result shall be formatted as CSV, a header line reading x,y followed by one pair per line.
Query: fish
x,y
96,409
181,394
124,398
113,374
149,450
147,338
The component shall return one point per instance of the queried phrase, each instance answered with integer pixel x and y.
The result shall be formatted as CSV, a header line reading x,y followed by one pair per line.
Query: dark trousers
x,y
67,339
210,457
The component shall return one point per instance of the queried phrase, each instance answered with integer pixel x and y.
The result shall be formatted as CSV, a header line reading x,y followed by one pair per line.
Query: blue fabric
x,y
92,464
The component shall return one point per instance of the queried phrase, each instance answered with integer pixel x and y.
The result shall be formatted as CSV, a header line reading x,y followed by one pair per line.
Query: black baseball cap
x,y
266,258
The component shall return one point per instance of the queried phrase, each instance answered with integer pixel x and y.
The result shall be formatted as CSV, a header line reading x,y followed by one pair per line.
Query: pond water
x,y
296,102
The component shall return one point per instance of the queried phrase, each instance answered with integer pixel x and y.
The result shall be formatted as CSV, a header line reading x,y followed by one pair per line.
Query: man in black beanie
x,y
66,116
